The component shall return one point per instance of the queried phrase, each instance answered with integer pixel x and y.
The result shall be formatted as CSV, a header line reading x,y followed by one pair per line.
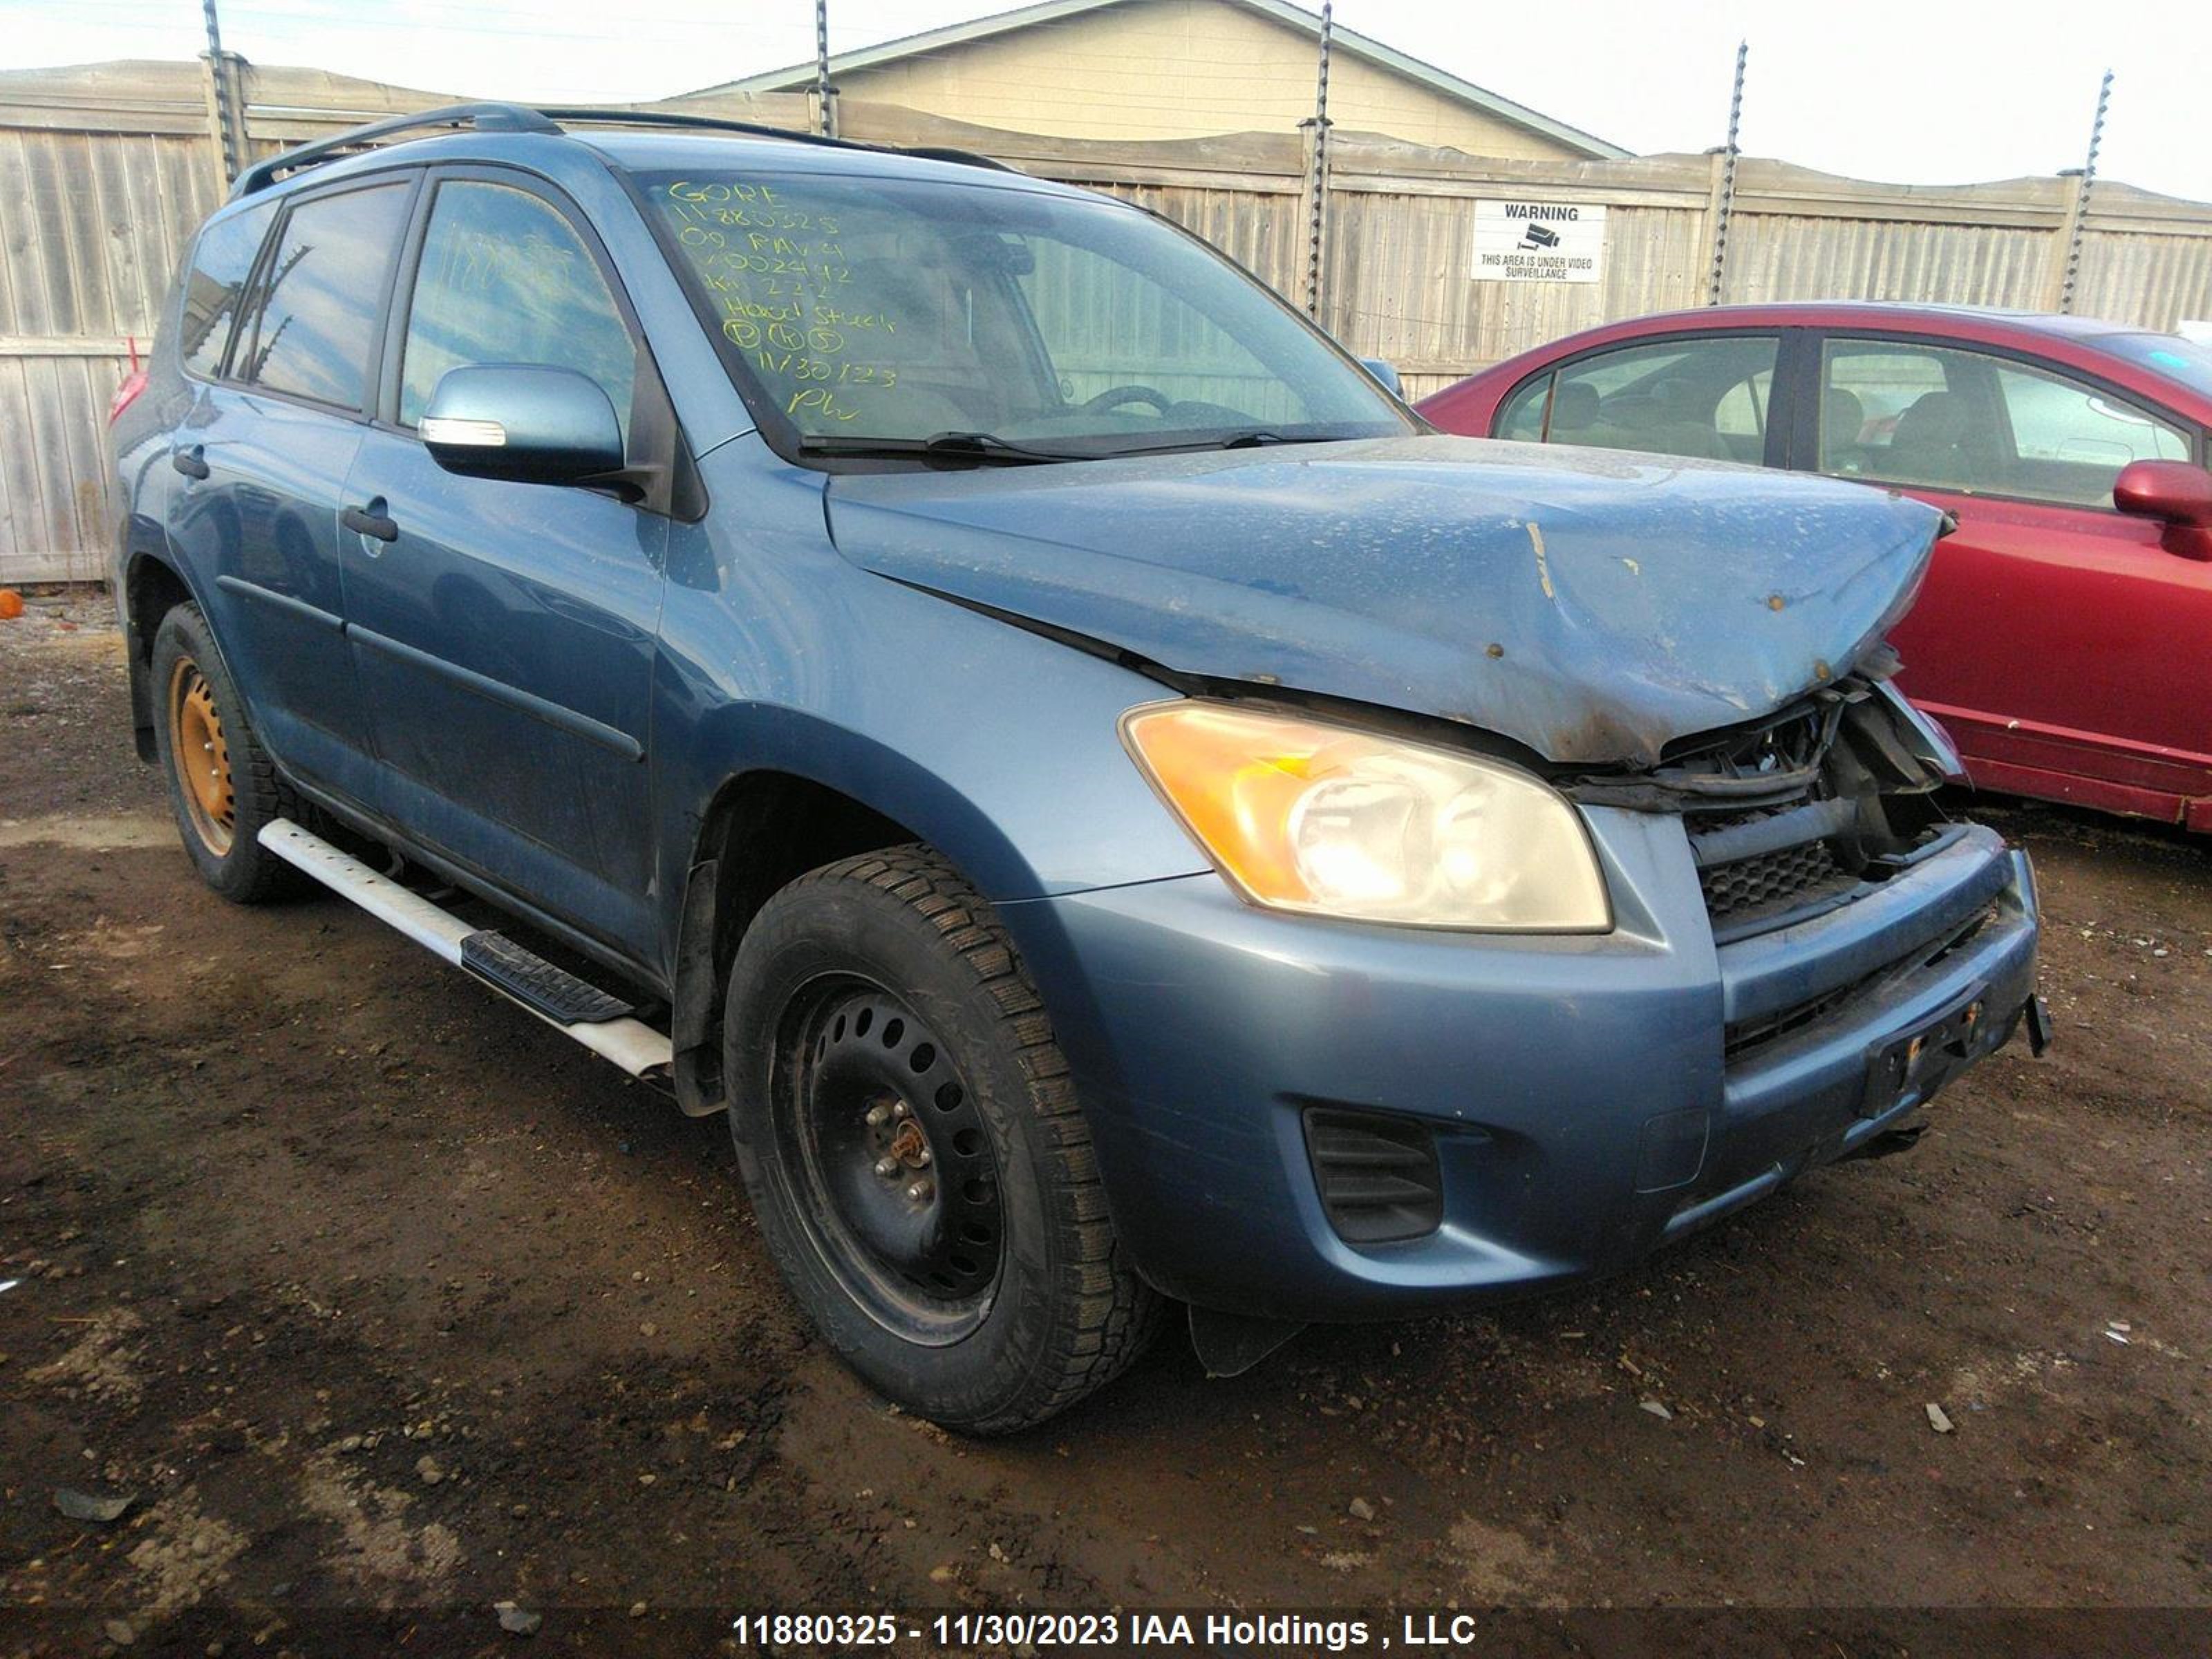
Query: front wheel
x,y
908,1132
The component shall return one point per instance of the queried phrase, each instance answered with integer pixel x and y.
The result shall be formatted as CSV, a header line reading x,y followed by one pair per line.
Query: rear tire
x,y
908,1131
222,785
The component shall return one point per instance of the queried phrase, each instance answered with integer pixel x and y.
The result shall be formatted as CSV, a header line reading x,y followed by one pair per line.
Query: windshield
x,y
2187,362
886,311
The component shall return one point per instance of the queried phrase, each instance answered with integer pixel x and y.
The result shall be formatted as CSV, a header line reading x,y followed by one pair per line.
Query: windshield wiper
x,y
1259,439
983,447
1252,438
989,449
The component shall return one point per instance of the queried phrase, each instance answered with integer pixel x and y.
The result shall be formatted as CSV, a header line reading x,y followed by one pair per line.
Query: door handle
x,y
193,462
366,521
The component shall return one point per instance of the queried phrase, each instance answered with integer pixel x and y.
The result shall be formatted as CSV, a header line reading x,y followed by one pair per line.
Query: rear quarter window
x,y
215,283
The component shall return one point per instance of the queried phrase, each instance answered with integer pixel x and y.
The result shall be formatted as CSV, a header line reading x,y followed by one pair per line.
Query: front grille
x,y
1783,879
1377,1175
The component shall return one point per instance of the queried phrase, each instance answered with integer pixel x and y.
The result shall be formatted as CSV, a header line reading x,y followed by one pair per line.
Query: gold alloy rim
x,y
202,759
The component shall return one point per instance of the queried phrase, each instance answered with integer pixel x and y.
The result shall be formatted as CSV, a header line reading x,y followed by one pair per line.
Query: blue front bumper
x,y
1590,1097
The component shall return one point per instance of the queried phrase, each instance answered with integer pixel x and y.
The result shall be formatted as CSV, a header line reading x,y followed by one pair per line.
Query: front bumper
x,y
1590,1098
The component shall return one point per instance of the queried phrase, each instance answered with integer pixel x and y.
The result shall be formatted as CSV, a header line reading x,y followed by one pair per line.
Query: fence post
x,y
2065,268
825,95
1317,188
234,68
1721,201
226,115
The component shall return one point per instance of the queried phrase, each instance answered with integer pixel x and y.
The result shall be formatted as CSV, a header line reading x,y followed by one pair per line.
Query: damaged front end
x,y
1804,811
1828,805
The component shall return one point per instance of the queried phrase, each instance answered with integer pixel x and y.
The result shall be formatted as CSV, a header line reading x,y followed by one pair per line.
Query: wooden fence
x,y
104,173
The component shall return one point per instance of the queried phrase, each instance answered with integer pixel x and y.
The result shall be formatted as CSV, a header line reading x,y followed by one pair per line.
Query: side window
x,y
1522,417
1968,422
504,278
2069,441
315,308
1741,411
1904,415
215,285
1704,397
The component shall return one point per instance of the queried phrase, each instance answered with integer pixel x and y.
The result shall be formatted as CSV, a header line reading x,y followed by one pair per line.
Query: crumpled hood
x,y
1591,605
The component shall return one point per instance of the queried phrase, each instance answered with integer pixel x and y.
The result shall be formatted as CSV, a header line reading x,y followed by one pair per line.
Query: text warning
x,y
1527,241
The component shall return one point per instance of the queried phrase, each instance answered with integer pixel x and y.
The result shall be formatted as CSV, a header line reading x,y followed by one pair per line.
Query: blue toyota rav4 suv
x,y
947,669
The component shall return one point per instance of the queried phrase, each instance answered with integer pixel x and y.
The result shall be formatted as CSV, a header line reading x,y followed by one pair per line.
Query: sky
x,y
1907,91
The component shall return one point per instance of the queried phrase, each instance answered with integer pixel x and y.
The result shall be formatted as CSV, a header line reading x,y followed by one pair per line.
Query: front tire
x,y
908,1132
222,785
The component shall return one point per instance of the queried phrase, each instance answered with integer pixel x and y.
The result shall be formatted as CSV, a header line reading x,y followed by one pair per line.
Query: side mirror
x,y
527,422
2176,492
1382,370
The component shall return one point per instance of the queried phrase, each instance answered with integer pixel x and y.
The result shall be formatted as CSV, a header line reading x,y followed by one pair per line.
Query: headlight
x,y
1301,815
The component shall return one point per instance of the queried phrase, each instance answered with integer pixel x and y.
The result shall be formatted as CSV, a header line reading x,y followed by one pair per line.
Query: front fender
x,y
997,747
979,812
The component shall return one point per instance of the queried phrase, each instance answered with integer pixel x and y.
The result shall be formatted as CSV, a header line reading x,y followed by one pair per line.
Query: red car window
x,y
1944,419
2071,440
1704,398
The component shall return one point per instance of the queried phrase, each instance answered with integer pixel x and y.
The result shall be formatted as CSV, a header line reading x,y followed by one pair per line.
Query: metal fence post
x,y
1317,174
825,95
1722,202
2077,206
225,119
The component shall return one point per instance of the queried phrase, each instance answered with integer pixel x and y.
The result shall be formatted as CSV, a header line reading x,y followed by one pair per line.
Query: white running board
x,y
630,1043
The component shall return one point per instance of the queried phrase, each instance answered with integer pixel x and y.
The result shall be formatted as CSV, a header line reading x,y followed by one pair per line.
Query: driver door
x,y
504,633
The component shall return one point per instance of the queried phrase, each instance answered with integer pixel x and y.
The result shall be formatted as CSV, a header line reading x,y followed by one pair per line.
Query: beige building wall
x,y
1176,69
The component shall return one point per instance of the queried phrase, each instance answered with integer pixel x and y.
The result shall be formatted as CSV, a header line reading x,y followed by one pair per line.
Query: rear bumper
x,y
1589,1099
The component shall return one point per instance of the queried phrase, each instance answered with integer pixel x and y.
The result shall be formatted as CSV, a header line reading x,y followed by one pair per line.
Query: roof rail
x,y
965,157
519,117
646,117
484,118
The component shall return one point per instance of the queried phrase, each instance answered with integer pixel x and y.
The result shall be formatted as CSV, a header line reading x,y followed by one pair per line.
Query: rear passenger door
x,y
2055,637
503,635
1707,396
277,415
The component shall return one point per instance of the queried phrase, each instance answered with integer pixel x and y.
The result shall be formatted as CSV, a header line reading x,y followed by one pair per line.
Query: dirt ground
x,y
386,1304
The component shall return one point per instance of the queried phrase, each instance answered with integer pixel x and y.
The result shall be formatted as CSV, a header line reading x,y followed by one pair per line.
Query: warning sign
x,y
1526,241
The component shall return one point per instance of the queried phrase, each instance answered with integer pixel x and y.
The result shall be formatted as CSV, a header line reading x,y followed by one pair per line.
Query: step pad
x,y
530,980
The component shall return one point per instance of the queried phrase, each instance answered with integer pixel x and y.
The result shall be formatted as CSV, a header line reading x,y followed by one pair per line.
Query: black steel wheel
x,y
908,1131
893,1160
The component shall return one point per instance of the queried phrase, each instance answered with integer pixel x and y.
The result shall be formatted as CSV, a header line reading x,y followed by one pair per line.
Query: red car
x,y
2064,633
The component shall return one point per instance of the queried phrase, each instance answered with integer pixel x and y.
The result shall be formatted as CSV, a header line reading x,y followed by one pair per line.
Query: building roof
x,y
799,76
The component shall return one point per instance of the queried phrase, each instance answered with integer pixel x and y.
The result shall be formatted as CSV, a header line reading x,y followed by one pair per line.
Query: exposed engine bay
x,y
1803,808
